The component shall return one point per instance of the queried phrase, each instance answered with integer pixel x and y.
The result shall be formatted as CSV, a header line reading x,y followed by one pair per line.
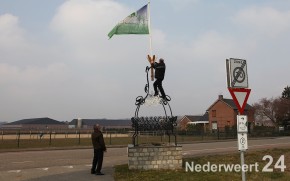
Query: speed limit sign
x,y
237,75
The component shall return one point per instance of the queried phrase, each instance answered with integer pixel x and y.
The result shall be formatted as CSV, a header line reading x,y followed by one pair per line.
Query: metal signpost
x,y
237,80
242,130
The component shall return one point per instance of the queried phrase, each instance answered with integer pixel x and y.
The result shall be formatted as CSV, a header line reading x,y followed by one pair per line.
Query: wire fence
x,y
11,139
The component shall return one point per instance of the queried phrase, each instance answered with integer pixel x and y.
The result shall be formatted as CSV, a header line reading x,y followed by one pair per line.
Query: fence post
x,y
2,134
218,133
50,138
41,135
18,138
110,138
79,137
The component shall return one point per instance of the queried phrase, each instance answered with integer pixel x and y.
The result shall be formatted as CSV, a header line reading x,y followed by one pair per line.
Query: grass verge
x,y
122,173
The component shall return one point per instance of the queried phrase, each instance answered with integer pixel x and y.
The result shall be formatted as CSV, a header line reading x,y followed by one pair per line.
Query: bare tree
x,y
277,110
265,109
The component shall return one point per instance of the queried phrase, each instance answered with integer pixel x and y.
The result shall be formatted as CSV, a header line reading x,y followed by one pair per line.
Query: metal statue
x,y
159,123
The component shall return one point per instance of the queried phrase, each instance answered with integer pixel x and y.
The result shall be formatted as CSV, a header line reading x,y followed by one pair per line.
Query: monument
x,y
160,156
154,155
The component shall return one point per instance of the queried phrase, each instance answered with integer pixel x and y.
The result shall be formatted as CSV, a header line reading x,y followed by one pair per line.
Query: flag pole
x,y
151,58
149,28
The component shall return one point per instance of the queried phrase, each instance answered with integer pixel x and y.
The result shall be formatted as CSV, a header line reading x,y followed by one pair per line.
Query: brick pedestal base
x,y
155,157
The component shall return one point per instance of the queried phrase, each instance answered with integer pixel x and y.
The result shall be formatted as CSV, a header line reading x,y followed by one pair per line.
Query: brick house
x,y
223,112
192,119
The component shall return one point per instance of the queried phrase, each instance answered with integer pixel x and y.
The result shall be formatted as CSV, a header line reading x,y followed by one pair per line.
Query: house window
x,y
214,125
213,113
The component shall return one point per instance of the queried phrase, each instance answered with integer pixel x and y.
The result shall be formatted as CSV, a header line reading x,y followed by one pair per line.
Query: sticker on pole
x,y
240,97
242,141
242,123
237,75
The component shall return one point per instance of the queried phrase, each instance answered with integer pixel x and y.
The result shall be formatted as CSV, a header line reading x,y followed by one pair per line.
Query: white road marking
x,y
14,171
281,138
208,150
235,147
22,162
270,144
44,169
68,166
62,159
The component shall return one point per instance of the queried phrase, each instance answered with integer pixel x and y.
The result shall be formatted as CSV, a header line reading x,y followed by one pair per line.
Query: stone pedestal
x,y
155,157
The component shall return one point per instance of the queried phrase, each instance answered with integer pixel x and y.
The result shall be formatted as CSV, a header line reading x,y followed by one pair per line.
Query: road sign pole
x,y
237,80
241,122
242,164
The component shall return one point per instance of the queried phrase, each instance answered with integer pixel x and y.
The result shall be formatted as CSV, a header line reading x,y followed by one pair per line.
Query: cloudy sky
x,y
56,60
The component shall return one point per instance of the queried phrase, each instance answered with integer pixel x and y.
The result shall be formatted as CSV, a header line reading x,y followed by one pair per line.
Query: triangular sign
x,y
240,97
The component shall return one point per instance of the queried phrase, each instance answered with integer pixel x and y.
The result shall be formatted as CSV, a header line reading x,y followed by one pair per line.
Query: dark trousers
x,y
97,160
158,83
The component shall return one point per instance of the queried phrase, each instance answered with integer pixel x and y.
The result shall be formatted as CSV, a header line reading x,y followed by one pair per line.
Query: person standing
x,y
159,76
99,149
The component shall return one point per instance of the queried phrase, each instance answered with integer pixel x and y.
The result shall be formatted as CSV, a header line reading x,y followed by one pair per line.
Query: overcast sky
x,y
56,60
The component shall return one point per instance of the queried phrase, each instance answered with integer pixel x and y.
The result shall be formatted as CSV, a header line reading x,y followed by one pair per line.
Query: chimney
x,y
221,97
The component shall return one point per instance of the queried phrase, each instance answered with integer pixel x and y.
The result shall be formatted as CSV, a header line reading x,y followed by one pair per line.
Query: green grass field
x,y
122,173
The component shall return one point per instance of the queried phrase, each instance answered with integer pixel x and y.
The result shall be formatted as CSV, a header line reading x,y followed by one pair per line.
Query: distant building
x,y
1,123
105,123
192,119
223,112
35,124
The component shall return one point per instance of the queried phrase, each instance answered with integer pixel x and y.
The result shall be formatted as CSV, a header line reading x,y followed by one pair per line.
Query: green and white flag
x,y
136,23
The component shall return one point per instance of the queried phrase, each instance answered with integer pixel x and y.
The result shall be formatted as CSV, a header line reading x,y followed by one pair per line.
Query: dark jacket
x,y
98,140
159,70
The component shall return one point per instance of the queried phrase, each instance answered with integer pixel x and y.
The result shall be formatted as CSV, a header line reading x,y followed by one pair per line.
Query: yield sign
x,y
240,97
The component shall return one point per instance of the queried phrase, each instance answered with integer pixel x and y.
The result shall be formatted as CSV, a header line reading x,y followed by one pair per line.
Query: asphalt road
x,y
75,164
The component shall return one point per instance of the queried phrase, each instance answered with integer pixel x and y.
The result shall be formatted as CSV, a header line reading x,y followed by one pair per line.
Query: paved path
x,y
75,164
60,173
57,165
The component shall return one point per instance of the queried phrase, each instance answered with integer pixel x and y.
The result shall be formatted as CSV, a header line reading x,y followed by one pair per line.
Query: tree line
x,y
276,110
